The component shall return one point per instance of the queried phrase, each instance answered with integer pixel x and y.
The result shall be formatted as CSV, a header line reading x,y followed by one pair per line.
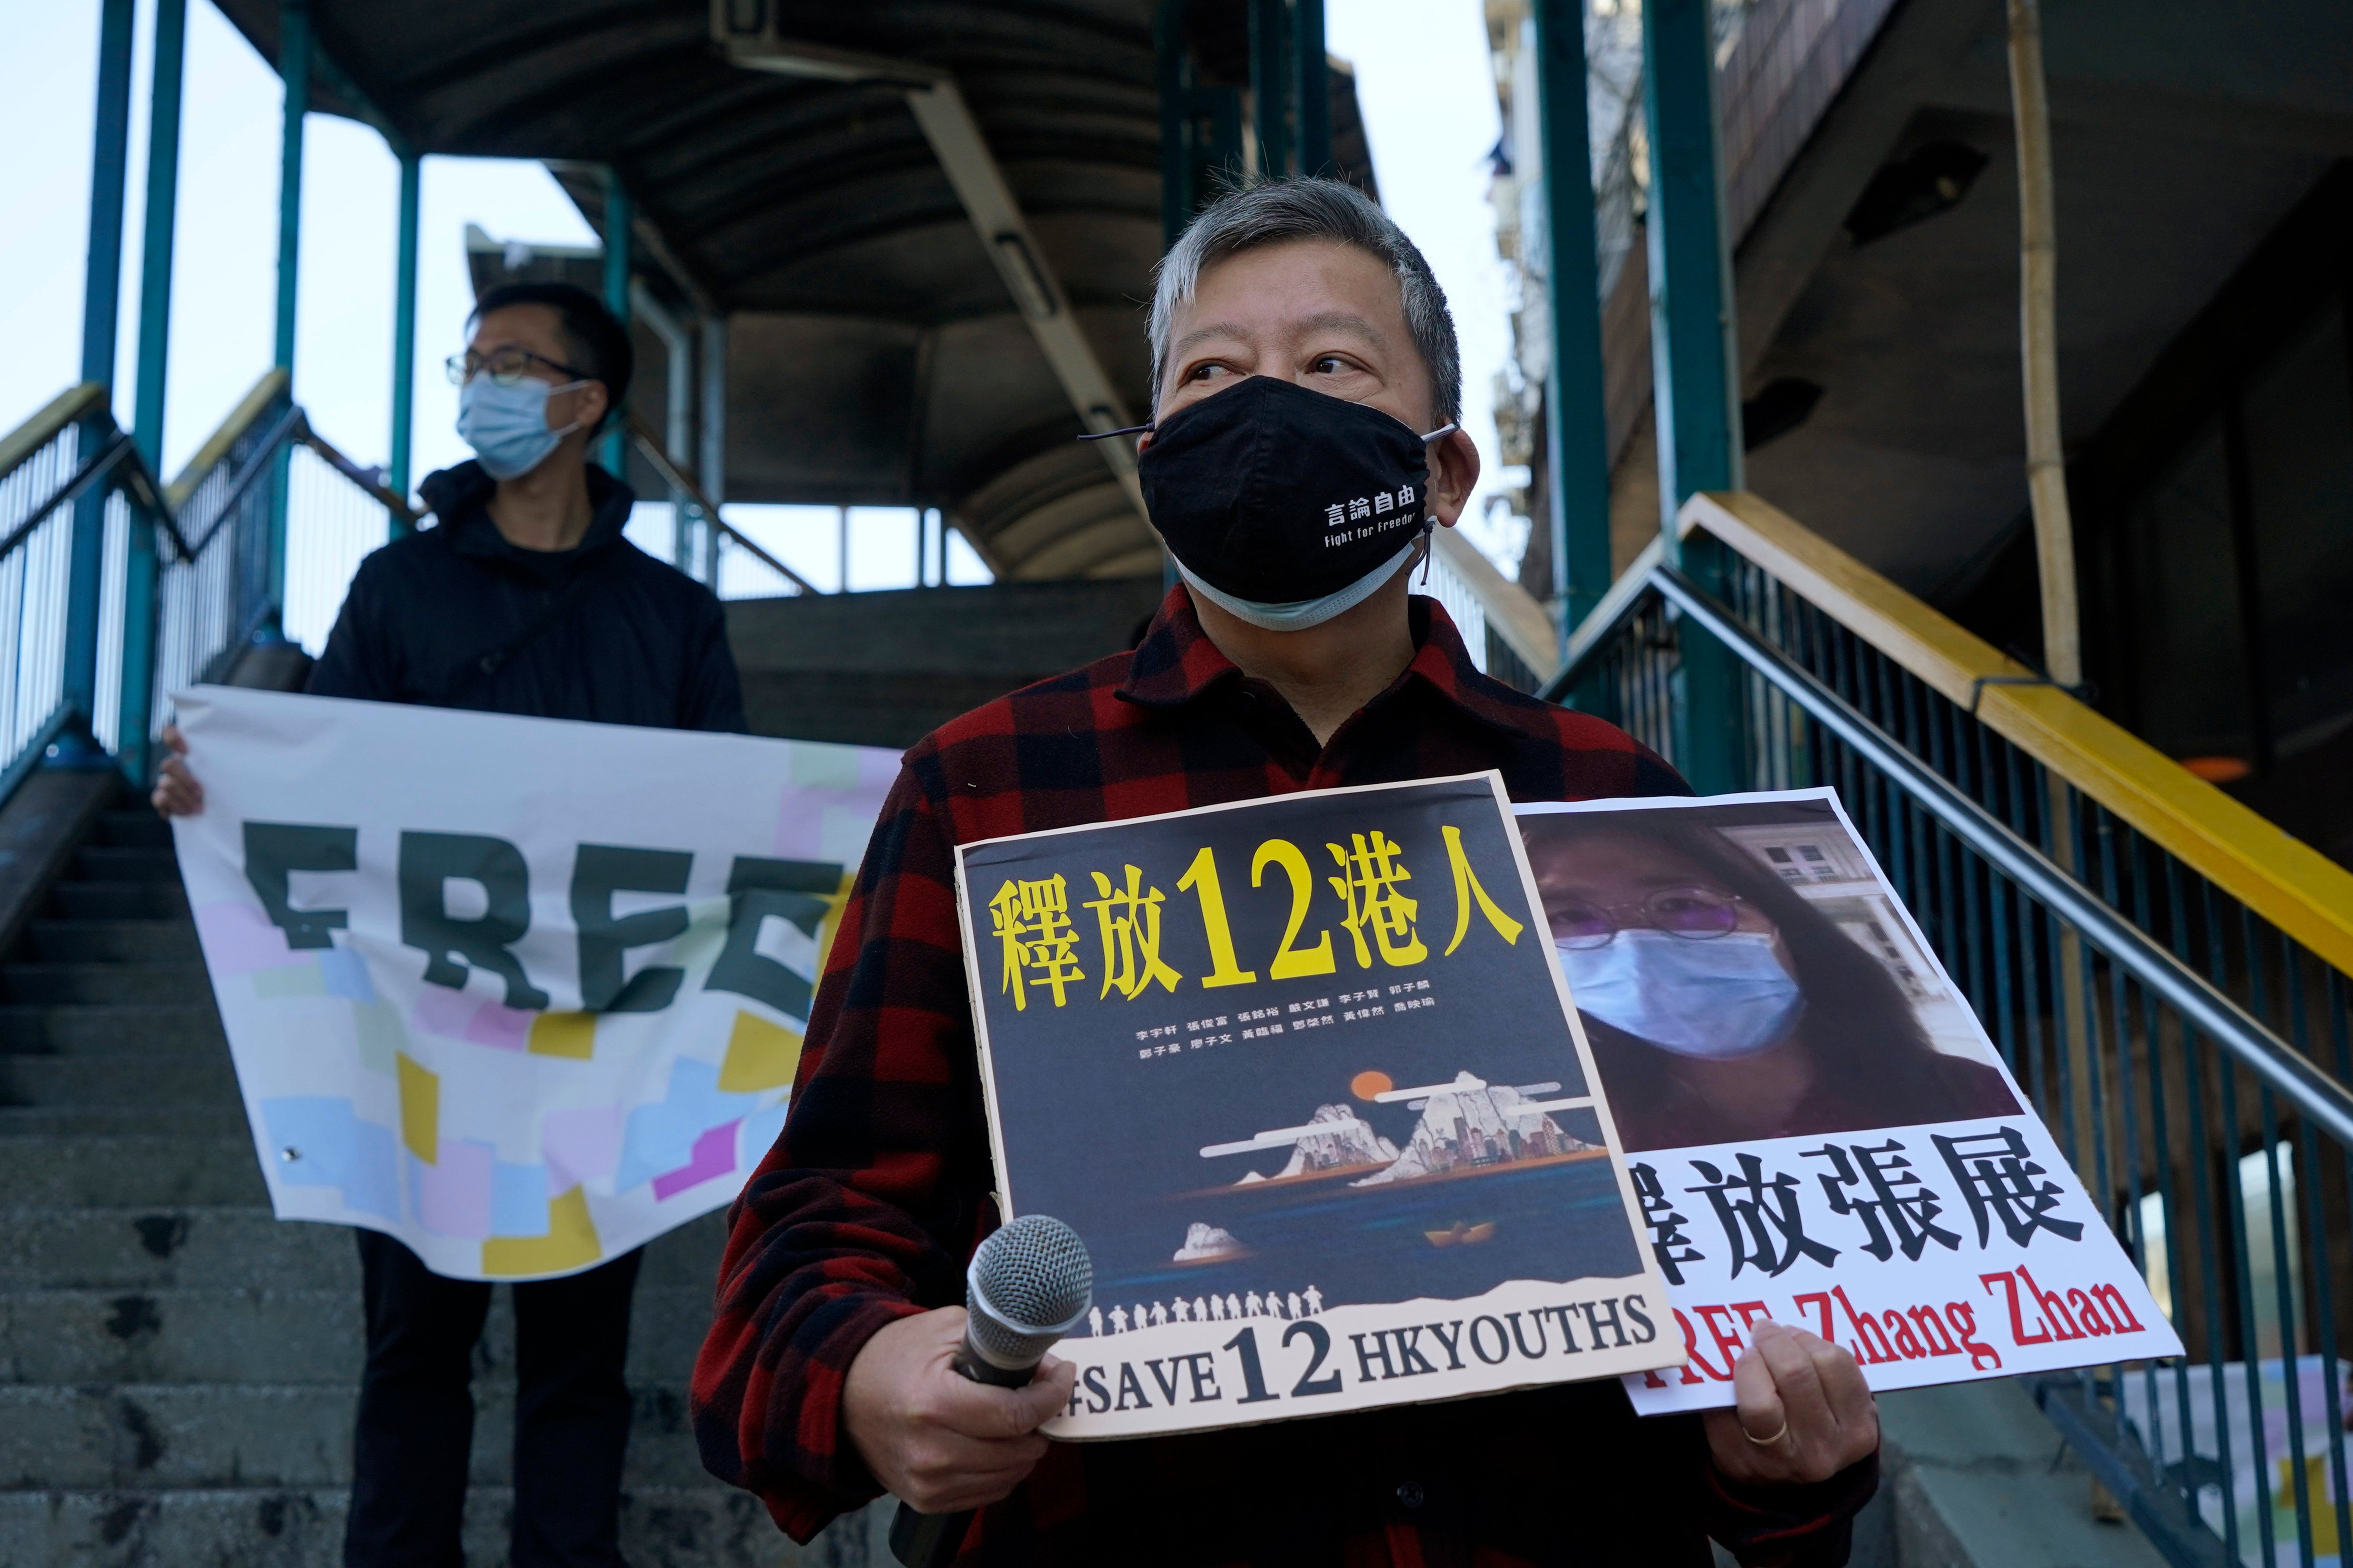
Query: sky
x,y
1422,76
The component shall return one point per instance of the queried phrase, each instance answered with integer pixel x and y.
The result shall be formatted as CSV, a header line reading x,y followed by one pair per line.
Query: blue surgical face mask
x,y
507,426
1715,999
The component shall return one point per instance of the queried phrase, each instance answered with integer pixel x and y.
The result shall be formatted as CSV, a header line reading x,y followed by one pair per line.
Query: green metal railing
x,y
2191,1053
186,572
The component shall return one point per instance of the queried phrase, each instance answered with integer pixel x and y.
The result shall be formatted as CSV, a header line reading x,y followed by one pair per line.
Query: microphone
x,y
1029,1284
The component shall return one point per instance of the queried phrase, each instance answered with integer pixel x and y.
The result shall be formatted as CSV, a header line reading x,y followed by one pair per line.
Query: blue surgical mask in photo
x,y
1723,998
507,426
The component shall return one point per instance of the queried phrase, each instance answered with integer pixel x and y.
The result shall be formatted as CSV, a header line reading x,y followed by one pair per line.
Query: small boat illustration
x,y
1460,1234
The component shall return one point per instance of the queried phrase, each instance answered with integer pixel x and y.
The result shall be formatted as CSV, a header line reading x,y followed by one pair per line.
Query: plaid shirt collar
x,y
1176,664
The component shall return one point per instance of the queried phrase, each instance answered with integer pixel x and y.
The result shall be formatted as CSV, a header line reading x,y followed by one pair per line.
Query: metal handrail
x,y
2198,1001
274,384
93,468
683,482
365,479
19,445
264,454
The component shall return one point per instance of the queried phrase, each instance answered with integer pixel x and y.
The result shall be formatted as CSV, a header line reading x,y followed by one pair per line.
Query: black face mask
x,y
1278,497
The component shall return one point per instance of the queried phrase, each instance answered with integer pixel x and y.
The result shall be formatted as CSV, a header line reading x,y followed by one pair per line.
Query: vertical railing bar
x,y
2324,1306
2282,1276
2193,1057
2168,1202
2094,1055
2332,1380
2120,1028
2029,977
2243,1275
2054,943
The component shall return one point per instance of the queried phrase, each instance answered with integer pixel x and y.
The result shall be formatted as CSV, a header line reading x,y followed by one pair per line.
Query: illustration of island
x,y
1468,1128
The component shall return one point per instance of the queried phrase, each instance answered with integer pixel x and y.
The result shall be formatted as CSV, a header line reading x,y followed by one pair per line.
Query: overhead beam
x,y
955,138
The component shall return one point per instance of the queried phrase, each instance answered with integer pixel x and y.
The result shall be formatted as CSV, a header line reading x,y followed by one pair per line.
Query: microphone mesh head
x,y
1029,1284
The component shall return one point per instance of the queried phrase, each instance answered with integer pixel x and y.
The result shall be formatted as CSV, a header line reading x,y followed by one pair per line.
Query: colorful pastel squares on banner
x,y
570,1243
239,939
758,1134
714,1156
319,1141
827,811
382,1037
572,1035
580,1145
760,1055
660,1138
455,1015
518,1195
451,1196
420,1109
299,978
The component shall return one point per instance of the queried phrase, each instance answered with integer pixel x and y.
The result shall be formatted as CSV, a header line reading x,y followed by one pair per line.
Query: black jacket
x,y
637,642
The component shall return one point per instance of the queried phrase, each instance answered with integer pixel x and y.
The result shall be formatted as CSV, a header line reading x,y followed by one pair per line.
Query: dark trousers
x,y
416,1413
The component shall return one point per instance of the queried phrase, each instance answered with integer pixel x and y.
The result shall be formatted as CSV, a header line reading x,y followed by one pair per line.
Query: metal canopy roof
x,y
877,354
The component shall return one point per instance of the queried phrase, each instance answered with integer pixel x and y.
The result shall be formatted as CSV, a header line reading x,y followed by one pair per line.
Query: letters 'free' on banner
x,y
523,993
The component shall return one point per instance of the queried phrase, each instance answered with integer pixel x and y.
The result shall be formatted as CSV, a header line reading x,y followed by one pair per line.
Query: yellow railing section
x,y
2286,881
42,428
256,403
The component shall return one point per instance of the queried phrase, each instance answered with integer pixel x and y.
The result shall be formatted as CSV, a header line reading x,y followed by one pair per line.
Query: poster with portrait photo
x,y
1301,1074
1817,1128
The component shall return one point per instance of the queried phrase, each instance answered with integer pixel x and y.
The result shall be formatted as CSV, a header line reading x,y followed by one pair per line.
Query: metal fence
x,y
66,470
702,543
185,576
213,587
2191,1058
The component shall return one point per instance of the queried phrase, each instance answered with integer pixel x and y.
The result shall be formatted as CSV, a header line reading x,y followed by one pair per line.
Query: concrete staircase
x,y
177,1369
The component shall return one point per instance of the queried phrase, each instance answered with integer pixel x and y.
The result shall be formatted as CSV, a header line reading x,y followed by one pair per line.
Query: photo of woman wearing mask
x,y
1721,1004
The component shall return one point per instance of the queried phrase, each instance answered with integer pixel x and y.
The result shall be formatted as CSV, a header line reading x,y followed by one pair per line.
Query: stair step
x,y
125,1249
273,1434
105,900
106,863
268,1334
268,1527
182,983
69,1122
99,1030
122,1249
130,1170
133,827
116,941
180,1079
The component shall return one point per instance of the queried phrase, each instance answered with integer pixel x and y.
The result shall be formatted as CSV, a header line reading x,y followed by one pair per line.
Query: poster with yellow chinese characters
x,y
1303,1074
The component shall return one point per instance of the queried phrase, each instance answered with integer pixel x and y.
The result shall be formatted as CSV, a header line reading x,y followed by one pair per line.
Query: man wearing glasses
x,y
524,598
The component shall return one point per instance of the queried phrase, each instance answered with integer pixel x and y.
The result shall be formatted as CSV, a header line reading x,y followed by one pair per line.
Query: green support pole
x,y
294,71
1576,426
1693,362
1273,85
101,296
132,746
1176,169
404,337
1312,85
619,215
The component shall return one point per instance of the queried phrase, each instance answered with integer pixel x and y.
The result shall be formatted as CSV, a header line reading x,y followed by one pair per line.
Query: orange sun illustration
x,y
1366,1085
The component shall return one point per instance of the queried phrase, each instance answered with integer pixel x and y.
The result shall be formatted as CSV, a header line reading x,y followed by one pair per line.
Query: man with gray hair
x,y
1303,446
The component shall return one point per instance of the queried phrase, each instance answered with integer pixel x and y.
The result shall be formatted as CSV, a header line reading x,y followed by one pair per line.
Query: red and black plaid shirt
x,y
876,1192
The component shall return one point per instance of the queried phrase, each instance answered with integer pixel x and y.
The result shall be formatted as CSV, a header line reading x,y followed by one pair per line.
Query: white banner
x,y
1818,1128
523,993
